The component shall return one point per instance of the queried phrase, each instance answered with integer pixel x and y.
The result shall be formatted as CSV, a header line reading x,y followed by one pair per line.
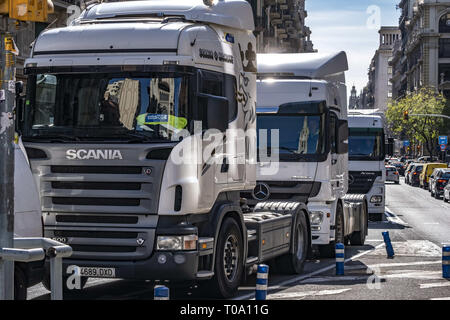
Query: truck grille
x,y
103,212
96,185
287,190
95,201
96,169
123,249
362,182
95,219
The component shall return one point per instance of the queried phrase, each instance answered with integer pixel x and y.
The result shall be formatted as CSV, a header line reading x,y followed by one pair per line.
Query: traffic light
x,y
406,115
30,10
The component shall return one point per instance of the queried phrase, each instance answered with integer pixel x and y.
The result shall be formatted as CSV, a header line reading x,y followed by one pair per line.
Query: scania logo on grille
x,y
261,192
98,154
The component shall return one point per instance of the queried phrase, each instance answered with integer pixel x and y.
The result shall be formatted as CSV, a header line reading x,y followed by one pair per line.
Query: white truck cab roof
x,y
365,121
307,65
231,13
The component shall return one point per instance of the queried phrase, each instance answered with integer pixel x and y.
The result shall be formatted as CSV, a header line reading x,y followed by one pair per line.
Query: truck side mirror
x,y
215,111
20,112
342,146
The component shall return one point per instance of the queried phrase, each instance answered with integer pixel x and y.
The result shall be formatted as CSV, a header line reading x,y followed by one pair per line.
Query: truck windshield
x,y
107,105
366,144
299,135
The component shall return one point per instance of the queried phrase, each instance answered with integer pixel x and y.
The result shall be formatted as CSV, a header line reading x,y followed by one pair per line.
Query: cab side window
x,y
221,85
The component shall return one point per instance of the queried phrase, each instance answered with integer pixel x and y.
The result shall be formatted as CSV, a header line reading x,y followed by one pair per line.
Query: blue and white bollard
x,y
161,293
340,259
262,279
389,248
446,261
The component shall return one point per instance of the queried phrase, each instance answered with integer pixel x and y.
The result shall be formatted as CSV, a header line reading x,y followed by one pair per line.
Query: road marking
x,y
383,265
445,298
413,248
334,278
392,217
429,275
434,285
291,295
309,275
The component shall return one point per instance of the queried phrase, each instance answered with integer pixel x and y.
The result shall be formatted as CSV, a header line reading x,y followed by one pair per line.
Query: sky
x,y
351,26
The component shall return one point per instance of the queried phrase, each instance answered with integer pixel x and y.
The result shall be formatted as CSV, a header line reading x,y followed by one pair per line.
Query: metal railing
x,y
35,249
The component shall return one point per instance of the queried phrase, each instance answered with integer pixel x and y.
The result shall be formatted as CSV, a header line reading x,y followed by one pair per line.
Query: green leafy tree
x,y
422,129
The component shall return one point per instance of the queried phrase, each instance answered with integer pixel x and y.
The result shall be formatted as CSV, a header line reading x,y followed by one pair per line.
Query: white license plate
x,y
96,272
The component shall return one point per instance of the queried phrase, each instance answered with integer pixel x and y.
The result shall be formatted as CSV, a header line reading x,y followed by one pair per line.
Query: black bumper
x,y
178,266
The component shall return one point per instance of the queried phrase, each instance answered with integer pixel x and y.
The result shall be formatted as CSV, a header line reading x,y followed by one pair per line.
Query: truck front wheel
x,y
228,264
359,237
293,263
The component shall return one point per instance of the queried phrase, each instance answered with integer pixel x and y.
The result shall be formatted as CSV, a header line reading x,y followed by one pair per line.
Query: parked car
x,y
415,174
426,159
428,169
408,172
440,182
400,168
392,174
446,194
431,180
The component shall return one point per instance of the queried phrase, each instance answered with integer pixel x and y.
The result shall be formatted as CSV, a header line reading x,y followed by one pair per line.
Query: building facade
x,y
280,26
422,58
378,91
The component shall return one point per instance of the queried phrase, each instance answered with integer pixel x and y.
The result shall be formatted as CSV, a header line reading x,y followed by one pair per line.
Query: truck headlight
x,y
376,199
316,217
177,243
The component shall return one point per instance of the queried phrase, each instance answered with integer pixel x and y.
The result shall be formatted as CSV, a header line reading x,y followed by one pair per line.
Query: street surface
x,y
418,226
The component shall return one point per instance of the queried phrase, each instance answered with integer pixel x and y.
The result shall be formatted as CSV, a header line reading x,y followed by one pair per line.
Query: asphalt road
x,y
418,225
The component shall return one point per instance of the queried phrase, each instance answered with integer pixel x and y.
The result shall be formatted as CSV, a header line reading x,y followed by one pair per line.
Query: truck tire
x,y
228,264
358,238
293,263
20,284
328,251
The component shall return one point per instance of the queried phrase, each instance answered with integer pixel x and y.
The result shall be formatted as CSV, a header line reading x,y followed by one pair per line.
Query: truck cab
x,y
142,125
27,221
367,172
302,140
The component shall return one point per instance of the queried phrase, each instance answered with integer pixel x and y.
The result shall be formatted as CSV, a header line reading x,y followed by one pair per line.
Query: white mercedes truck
x,y
301,102
367,172
140,125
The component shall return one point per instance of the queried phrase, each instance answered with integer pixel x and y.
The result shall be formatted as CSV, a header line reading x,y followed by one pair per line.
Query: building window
x,y
444,48
444,70
444,23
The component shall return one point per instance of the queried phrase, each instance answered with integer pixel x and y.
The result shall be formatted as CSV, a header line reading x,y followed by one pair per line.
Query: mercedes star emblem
x,y
261,192
351,179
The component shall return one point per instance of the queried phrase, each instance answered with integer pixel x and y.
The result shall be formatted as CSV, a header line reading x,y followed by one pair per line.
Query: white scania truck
x,y
302,100
118,125
367,172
